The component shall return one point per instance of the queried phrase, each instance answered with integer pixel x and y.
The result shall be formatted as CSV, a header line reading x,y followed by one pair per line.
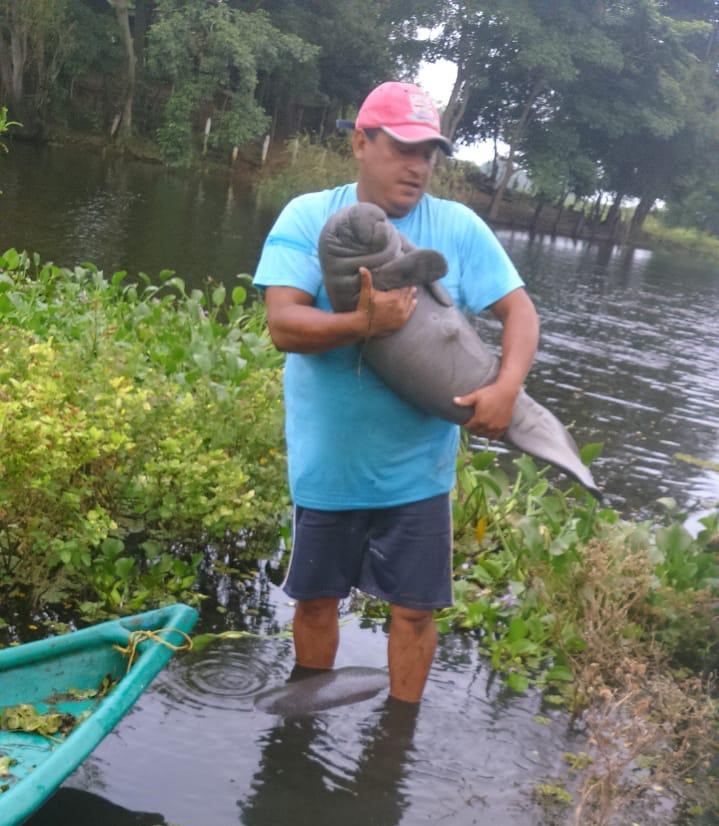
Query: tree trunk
x,y
644,207
535,218
597,211
495,157
123,21
614,209
456,105
12,61
514,142
558,216
141,21
5,64
578,224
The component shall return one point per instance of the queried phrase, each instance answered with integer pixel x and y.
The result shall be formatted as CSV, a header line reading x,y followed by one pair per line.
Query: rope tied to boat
x,y
143,635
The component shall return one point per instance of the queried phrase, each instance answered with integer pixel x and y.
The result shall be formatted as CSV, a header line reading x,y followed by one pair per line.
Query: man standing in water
x,y
370,476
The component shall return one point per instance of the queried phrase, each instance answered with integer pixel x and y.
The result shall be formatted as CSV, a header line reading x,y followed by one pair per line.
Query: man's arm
x,y
520,335
297,326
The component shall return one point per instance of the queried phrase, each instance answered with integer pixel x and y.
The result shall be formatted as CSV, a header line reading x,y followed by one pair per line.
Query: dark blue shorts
x,y
401,554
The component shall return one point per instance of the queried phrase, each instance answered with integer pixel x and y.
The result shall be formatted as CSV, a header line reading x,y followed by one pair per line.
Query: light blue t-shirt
x,y
351,442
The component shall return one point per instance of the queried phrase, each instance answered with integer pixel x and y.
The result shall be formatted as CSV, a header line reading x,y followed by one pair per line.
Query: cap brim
x,y
419,135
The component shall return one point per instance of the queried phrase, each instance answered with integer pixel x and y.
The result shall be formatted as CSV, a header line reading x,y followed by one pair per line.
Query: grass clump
x,y
306,166
681,239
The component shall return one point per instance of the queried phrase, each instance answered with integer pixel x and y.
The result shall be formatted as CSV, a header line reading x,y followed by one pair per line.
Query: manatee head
x,y
361,235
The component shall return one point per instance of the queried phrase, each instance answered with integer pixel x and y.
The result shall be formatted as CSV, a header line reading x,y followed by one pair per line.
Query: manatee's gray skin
x,y
437,354
323,691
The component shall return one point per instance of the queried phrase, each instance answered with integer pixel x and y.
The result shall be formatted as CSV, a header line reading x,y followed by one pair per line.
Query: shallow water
x,y
196,751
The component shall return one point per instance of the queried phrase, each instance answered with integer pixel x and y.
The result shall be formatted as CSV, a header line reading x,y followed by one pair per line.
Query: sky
x,y
438,79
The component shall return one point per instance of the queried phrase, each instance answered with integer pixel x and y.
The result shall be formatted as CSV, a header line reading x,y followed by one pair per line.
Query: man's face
x,y
392,175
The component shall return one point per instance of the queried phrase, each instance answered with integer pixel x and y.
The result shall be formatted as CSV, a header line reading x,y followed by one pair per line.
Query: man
x,y
370,475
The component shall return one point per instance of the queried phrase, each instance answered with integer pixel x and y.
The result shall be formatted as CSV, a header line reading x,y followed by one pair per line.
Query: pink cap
x,y
405,112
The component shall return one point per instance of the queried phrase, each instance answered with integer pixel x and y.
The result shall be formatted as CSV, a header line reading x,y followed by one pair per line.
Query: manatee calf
x,y
437,354
322,691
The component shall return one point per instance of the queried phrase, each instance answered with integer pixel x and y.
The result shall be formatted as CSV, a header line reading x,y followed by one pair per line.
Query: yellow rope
x,y
137,637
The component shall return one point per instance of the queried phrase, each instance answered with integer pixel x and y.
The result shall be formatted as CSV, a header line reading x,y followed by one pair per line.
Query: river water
x,y
628,357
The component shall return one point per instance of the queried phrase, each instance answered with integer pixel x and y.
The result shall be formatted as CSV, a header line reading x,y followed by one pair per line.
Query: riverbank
x,y
518,211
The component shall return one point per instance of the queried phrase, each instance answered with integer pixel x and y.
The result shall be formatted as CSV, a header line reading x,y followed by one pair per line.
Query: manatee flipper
x,y
322,691
413,269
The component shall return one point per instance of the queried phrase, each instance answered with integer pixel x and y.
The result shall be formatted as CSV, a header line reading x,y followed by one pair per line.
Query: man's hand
x,y
386,310
493,406
494,403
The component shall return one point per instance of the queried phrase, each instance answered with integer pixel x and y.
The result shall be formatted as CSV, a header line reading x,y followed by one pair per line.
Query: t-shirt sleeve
x,y
487,272
289,255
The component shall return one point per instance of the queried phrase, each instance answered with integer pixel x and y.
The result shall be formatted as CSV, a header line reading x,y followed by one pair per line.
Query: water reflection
x,y
81,808
73,205
295,774
202,756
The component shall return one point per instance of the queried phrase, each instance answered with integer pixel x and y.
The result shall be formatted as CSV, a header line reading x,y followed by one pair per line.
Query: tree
x,y
36,39
636,117
210,56
314,95
122,13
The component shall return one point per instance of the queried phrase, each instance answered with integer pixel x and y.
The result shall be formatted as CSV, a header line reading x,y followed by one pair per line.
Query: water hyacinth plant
x,y
139,423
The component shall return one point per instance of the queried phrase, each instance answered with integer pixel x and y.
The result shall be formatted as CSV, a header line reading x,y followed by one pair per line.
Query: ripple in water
x,y
226,676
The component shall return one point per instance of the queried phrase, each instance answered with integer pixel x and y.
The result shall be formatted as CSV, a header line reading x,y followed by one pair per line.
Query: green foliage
x,y
211,56
695,241
139,423
310,167
5,125
543,574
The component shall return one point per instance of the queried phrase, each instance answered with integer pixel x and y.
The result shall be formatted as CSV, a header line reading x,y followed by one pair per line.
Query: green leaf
x,y
560,673
517,629
483,459
589,452
518,682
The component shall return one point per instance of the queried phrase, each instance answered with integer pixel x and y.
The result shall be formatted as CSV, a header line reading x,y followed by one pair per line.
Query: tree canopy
x,y
617,95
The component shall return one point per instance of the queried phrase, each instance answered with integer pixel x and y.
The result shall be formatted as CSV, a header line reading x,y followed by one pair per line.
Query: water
x,y
195,750
75,205
628,357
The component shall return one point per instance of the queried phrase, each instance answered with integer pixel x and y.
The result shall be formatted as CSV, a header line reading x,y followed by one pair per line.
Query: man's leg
x,y
412,641
316,632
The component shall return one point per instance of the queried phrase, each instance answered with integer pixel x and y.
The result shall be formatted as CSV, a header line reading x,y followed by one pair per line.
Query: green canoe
x,y
61,696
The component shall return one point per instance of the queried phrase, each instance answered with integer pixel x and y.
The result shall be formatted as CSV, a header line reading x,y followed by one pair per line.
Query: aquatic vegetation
x,y
614,620
26,717
139,423
5,125
696,241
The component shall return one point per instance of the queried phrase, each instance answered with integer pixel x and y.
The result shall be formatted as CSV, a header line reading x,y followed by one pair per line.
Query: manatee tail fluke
x,y
536,431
